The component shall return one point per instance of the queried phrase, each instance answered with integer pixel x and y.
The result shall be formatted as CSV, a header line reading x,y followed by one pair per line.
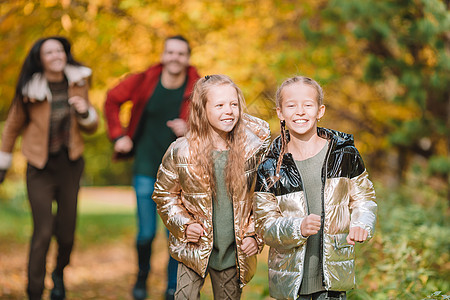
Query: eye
x,y
235,104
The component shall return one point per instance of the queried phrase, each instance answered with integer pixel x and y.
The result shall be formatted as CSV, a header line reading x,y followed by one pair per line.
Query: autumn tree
x,y
404,51
382,85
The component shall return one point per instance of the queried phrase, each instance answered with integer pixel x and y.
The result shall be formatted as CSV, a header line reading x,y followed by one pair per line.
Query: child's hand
x,y
357,234
194,232
310,225
249,246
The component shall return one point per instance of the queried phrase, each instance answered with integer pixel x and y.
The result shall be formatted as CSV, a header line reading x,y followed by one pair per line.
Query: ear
x,y
280,114
321,112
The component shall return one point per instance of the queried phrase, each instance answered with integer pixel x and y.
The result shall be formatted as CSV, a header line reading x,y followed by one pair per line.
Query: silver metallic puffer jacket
x,y
183,198
348,200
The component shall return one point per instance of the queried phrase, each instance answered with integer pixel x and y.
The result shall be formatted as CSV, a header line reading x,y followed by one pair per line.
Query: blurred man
x,y
160,98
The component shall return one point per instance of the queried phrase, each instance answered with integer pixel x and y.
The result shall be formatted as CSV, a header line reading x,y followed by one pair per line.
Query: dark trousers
x,y
59,181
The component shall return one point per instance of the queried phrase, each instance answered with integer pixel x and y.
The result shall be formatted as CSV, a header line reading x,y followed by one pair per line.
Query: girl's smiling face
x,y
300,109
222,109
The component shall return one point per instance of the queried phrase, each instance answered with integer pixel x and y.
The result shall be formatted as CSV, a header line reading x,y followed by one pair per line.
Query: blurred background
x,y
385,69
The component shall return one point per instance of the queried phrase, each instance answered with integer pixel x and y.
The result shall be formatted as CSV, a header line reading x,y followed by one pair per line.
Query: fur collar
x,y
37,88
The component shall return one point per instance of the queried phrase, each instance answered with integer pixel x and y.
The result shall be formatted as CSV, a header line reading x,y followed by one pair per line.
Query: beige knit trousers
x,y
225,284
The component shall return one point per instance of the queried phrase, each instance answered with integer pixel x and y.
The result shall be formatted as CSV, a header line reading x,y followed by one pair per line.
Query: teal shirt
x,y
153,137
223,255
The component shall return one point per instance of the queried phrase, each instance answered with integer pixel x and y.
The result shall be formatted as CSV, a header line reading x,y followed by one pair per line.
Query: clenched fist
x,y
310,225
357,234
194,232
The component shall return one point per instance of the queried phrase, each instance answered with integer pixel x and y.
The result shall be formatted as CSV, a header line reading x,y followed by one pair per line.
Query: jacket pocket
x,y
339,249
340,241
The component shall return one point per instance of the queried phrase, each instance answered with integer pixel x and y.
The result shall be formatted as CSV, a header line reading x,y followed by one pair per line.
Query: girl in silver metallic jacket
x,y
313,200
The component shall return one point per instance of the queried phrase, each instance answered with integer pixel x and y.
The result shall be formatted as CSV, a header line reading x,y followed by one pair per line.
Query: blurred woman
x,y
50,109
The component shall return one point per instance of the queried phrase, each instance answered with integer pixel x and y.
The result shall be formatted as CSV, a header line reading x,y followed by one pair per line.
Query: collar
x,y
37,88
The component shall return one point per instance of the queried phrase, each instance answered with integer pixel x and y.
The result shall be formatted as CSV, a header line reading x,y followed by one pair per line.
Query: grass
x,y
407,259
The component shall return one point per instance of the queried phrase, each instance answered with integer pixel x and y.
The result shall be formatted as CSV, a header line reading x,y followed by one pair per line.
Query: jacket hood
x,y
336,138
37,88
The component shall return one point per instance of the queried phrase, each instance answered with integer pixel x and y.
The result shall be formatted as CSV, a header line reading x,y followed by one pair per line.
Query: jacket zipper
x,y
324,178
234,230
306,207
305,203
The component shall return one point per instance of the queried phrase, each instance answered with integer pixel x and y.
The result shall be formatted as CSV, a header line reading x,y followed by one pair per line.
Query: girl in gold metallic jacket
x,y
313,200
204,188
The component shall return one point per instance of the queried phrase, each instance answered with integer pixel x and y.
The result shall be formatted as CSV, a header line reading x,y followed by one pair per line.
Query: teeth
x,y
300,121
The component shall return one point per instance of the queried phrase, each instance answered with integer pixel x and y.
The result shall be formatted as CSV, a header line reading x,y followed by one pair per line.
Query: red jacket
x,y
138,88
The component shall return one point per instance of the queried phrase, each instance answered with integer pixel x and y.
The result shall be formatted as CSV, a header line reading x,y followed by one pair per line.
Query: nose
x,y
54,54
228,109
300,110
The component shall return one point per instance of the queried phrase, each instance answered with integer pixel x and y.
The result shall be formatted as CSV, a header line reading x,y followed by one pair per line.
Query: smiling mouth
x,y
300,121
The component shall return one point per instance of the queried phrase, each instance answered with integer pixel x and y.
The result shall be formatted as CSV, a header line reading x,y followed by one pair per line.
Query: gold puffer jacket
x,y
348,200
183,198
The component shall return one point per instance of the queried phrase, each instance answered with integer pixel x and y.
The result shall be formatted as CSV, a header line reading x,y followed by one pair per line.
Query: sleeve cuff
x,y
5,160
91,118
299,233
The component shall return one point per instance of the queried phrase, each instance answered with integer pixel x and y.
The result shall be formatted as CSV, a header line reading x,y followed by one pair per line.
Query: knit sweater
x,y
310,171
223,255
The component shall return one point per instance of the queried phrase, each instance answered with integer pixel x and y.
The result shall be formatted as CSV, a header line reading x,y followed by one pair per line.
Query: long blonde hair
x,y
200,137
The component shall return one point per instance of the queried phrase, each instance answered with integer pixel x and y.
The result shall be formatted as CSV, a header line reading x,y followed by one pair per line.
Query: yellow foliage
x,y
428,56
423,279
66,22
409,59
50,3
28,8
65,3
258,44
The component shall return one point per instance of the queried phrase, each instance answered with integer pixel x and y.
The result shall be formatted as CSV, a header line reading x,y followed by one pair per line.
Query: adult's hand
x,y
310,225
123,144
80,104
178,126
